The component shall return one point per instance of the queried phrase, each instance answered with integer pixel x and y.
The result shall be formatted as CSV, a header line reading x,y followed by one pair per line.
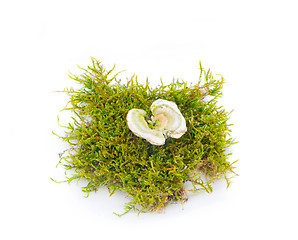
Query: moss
x,y
103,151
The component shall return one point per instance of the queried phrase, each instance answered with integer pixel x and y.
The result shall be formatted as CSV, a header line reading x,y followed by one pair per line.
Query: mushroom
x,y
167,121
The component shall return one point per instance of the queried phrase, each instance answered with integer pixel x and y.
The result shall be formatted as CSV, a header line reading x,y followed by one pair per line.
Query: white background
x,y
253,44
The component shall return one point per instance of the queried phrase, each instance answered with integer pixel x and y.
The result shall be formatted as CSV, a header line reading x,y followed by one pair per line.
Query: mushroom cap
x,y
169,122
176,125
137,124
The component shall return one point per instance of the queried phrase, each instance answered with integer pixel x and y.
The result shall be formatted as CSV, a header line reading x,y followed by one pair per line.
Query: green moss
x,y
105,152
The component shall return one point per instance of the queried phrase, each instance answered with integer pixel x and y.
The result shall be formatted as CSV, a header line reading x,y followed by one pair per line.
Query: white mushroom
x,y
175,126
167,121
137,124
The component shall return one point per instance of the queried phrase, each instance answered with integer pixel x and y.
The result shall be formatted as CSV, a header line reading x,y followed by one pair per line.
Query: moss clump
x,y
105,152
